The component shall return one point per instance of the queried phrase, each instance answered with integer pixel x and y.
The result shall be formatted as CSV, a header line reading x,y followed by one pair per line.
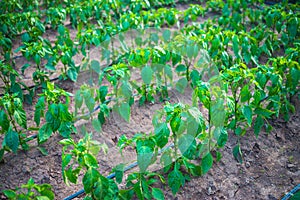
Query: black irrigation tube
x,y
112,175
291,193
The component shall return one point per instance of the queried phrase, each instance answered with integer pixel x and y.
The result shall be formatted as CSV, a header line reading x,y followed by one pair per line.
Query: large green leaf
x,y
44,132
147,74
144,157
12,140
162,134
187,145
175,180
89,179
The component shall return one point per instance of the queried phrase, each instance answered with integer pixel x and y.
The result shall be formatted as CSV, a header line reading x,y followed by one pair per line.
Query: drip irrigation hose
x,y
112,175
291,193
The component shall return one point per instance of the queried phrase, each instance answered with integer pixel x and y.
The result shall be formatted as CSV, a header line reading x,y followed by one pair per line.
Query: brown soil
x,y
271,164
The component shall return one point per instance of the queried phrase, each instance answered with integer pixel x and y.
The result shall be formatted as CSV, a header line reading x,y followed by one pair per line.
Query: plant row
x,y
238,90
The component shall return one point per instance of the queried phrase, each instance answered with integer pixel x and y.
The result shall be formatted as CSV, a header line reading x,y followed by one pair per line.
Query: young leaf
x,y
146,74
39,110
206,163
237,153
90,161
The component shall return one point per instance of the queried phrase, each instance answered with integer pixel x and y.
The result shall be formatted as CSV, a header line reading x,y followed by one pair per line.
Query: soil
x,y
270,169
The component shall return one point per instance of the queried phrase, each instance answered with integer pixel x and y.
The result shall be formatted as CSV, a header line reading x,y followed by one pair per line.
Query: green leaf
x,y
119,172
158,194
20,117
39,110
1,154
44,132
166,35
95,65
218,114
181,85
97,125
162,134
72,175
175,180
245,94
258,124
89,179
10,194
4,122
237,153
144,157
222,138
43,150
292,27
126,90
103,93
187,145
12,140
89,100
124,111
235,42
72,74
168,72
61,30
90,161
206,163
181,68
247,112
264,112
66,159
147,74
190,51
